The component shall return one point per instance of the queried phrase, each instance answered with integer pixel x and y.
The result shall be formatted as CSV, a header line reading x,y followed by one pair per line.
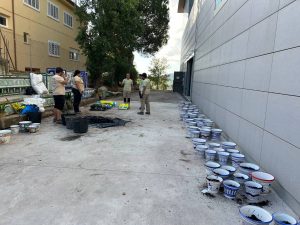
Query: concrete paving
x,y
144,173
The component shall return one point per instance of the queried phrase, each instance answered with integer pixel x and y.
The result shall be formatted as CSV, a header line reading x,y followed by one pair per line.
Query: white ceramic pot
x,y
223,157
231,187
219,150
232,151
32,129
221,173
248,168
230,169
283,219
253,215
15,129
192,123
210,166
237,159
38,125
205,132
213,183
213,145
194,133
240,177
198,141
201,149
228,145
5,136
24,126
253,188
210,155
265,179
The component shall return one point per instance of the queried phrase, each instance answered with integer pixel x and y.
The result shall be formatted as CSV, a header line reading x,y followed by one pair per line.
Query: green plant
x,y
2,108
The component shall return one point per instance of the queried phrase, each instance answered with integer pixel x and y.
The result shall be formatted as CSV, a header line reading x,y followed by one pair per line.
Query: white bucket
x,y
15,129
282,218
213,183
265,179
255,215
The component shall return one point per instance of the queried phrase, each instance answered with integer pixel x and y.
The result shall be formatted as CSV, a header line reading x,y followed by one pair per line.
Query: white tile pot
x,y
198,141
210,166
253,215
241,178
201,149
283,219
265,179
213,145
237,159
253,188
231,187
228,145
248,168
223,157
213,183
210,155
221,173
230,169
216,134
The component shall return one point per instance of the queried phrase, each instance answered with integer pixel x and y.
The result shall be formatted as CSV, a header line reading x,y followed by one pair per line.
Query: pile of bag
x,y
38,84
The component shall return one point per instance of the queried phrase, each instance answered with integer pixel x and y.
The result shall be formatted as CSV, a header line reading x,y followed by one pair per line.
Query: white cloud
x,y
172,49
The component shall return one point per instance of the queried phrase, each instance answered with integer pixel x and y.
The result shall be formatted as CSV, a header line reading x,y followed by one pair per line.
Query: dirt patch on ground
x,y
70,138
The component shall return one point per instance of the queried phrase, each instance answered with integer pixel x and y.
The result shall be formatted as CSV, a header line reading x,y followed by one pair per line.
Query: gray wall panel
x,y
246,78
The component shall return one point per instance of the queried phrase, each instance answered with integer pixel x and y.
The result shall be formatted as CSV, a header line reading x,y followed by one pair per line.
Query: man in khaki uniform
x,y
128,86
144,94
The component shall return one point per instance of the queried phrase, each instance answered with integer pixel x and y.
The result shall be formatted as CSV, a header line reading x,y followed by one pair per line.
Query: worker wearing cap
x,y
127,88
144,94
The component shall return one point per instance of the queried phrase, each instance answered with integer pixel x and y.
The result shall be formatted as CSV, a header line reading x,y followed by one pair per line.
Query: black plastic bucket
x,y
70,121
80,125
35,117
63,117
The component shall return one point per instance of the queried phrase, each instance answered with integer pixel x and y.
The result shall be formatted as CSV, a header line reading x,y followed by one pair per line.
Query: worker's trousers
x,y
145,101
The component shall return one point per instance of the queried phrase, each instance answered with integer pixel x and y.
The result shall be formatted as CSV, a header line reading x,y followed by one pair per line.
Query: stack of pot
x,y
223,161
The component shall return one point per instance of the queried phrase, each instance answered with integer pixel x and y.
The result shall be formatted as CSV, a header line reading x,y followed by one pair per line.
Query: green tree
x,y
111,30
158,76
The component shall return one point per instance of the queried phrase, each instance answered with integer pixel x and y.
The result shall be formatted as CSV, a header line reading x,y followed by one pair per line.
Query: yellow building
x,y
44,32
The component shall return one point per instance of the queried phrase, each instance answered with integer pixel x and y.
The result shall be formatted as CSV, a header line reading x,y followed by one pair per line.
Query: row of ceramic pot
x,y
256,215
24,126
233,178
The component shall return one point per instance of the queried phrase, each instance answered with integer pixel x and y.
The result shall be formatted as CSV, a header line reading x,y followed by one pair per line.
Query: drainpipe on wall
x,y
14,32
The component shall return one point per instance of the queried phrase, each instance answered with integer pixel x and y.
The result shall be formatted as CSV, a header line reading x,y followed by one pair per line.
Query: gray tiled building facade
x,y
242,64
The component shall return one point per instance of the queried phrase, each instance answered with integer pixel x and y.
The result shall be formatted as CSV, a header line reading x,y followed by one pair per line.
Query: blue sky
x,y
172,50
